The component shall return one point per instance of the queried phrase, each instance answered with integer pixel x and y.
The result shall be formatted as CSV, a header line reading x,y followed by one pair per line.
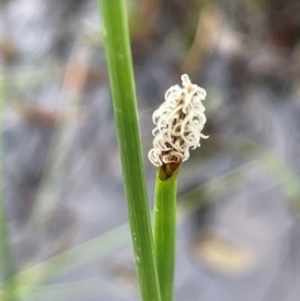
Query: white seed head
x,y
179,122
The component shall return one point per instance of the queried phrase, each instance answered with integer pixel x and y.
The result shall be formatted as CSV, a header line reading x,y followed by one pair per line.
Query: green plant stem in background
x,y
7,266
118,53
165,233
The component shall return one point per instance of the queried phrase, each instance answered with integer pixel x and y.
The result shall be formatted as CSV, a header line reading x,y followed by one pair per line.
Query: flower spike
x,y
179,122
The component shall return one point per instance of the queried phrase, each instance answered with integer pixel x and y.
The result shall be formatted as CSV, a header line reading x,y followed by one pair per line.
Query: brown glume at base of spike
x,y
166,171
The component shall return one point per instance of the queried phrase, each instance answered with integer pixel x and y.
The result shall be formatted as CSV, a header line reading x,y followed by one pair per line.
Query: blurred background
x,y
64,233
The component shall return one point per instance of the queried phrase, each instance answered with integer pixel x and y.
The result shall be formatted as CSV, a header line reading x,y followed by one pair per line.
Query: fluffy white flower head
x,y
179,122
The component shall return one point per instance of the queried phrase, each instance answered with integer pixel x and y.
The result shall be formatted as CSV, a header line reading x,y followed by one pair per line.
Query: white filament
x,y
179,122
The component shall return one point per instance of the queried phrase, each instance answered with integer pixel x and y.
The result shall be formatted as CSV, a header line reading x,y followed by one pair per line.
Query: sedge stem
x,y
165,233
118,53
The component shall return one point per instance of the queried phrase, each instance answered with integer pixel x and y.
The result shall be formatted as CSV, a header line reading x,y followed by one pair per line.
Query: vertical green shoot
x,y
118,53
165,233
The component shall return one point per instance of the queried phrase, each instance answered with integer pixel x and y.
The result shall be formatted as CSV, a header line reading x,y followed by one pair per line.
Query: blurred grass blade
x,y
70,260
276,168
61,141
118,53
7,266
164,229
287,182
72,291
214,189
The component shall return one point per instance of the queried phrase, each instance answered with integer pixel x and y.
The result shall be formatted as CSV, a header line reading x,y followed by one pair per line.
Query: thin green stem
x,y
165,233
118,53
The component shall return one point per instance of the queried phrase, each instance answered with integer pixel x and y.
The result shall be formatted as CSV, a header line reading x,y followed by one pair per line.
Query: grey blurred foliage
x,y
63,182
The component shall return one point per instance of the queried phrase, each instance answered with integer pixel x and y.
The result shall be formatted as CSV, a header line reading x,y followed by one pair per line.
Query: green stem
x,y
165,233
118,53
